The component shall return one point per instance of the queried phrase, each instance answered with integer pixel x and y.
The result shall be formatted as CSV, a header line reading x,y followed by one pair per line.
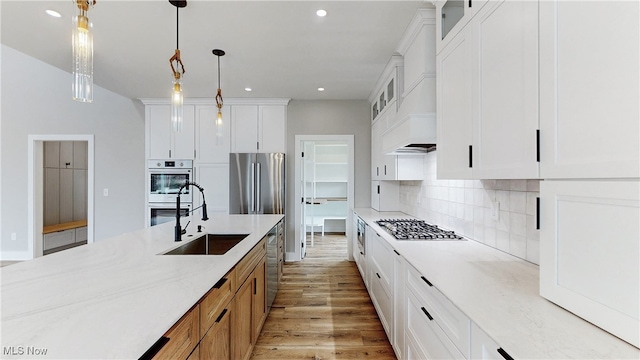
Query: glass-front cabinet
x,y
452,16
386,90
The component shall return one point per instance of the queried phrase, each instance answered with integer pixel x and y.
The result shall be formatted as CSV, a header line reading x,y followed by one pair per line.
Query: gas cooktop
x,y
412,229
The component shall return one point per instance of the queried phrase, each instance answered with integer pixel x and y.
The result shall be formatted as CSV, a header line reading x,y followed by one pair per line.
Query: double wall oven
x,y
165,177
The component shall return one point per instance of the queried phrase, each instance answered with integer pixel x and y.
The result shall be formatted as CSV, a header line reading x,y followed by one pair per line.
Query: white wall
x,y
330,117
36,99
466,206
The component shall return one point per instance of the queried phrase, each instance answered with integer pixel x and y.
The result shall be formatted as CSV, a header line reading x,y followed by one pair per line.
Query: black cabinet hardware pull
x,y
155,348
219,284
397,253
361,253
221,315
425,280
378,275
426,313
504,354
538,145
378,189
538,213
470,156
255,286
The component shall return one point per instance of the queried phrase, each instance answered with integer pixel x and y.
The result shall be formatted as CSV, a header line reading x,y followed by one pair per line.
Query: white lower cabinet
x,y
484,348
425,339
214,179
454,323
399,308
385,195
382,299
589,245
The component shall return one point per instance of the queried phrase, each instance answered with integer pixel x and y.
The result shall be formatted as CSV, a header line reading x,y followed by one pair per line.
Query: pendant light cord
x,y
177,27
218,72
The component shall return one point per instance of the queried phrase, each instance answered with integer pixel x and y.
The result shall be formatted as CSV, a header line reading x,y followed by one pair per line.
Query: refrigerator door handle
x,y
252,187
258,186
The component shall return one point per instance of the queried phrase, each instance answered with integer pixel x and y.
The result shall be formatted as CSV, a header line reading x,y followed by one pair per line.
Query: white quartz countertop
x,y
500,293
115,298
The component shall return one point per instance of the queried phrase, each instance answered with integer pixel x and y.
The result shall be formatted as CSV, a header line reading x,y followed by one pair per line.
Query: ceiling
x,y
278,48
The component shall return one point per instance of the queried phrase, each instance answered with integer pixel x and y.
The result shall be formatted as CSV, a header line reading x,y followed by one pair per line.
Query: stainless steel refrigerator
x,y
256,183
256,186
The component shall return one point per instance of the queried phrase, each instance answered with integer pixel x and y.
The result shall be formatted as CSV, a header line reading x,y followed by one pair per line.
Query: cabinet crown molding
x,y
212,101
422,18
395,61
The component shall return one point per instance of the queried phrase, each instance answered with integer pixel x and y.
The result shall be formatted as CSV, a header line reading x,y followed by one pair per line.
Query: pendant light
x,y
82,43
178,72
219,100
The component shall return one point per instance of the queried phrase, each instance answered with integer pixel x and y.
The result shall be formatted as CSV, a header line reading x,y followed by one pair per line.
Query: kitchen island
x,y
115,298
499,294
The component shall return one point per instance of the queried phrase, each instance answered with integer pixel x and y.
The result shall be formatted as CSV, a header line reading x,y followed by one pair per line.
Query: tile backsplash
x,y
498,213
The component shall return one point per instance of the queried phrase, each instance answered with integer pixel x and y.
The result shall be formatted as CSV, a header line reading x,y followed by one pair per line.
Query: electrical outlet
x,y
495,210
105,192
14,236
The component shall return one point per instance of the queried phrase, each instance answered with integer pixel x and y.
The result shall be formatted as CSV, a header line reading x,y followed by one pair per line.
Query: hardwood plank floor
x,y
322,310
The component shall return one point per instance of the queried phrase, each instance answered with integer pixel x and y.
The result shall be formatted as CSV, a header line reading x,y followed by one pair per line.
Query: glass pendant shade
x,y
82,38
176,106
219,127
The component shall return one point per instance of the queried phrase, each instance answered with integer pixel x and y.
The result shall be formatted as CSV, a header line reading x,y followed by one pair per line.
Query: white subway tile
x,y
503,221
531,203
533,251
468,196
532,232
490,236
518,246
518,185
478,232
478,215
518,224
488,219
502,240
517,202
503,198
468,213
533,185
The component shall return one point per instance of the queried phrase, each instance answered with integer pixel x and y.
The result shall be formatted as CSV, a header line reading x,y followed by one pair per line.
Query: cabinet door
x,y
589,89
66,195
259,298
80,198
66,155
272,130
399,311
217,342
483,347
51,194
382,299
158,131
214,179
244,128
80,154
589,244
183,337
454,108
241,322
376,147
51,154
211,148
184,141
506,107
375,195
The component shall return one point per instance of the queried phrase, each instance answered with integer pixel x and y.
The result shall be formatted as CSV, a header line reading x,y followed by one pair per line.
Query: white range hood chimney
x,y
413,131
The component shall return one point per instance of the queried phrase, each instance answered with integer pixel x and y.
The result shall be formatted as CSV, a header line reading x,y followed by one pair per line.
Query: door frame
x,y
35,188
299,139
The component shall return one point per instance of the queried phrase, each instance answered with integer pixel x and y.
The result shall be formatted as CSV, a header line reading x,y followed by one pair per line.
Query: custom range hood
x,y
415,134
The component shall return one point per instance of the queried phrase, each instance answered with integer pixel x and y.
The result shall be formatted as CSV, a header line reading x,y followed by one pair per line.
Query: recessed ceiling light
x,y
247,89
320,89
321,13
53,13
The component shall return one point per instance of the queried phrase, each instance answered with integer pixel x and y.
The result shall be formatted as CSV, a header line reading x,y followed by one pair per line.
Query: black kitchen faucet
x,y
178,229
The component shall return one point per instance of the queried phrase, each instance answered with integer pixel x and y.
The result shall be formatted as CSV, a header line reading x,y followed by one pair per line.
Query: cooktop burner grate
x,y
412,229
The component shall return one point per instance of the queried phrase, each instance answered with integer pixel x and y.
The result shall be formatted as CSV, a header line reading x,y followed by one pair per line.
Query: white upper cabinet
x,y
212,147
454,108
162,141
589,81
505,95
384,99
488,95
453,16
258,128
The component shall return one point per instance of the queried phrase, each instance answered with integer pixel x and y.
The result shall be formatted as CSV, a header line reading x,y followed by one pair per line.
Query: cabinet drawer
x,y
382,254
215,300
183,337
382,300
249,261
454,323
60,238
81,234
425,339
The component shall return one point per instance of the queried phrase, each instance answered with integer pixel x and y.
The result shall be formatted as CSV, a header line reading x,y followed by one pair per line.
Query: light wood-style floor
x,y
323,311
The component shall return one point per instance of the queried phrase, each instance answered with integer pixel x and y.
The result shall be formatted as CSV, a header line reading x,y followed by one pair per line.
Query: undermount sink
x,y
209,244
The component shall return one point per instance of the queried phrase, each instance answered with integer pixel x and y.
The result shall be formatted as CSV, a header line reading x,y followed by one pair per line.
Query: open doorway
x,y
324,184
60,192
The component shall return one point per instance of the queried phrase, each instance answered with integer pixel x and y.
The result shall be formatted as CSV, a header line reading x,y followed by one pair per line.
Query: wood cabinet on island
x,y
124,291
